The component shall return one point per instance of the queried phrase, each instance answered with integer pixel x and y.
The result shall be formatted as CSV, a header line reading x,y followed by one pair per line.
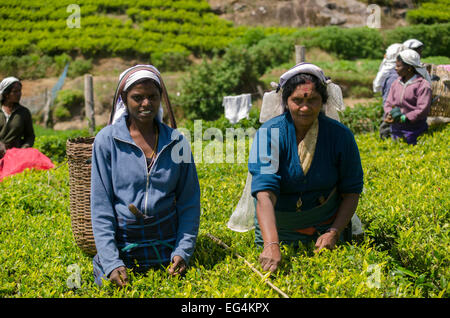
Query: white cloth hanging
x,y
237,107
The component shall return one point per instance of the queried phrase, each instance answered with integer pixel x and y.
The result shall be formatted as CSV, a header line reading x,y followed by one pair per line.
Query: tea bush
x,y
363,118
405,253
203,89
429,12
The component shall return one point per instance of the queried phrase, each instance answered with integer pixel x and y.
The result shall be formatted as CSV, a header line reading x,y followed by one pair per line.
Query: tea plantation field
x,y
405,252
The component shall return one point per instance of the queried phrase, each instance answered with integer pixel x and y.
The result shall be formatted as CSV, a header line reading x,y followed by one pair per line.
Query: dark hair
x,y
8,90
142,80
302,78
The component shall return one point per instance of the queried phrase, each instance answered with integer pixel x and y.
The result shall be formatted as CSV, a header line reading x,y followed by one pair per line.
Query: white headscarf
x,y
335,100
303,67
119,107
272,101
6,83
387,65
412,58
412,44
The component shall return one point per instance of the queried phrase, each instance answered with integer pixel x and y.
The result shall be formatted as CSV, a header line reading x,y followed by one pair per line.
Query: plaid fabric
x,y
149,241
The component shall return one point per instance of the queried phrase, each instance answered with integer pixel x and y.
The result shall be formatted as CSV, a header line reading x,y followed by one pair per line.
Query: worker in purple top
x,y
408,102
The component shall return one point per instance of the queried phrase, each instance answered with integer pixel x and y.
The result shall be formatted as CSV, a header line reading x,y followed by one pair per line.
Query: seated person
x,y
16,125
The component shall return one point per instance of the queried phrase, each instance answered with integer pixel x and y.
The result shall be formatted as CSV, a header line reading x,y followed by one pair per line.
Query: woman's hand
x,y
119,276
327,240
389,119
270,257
178,266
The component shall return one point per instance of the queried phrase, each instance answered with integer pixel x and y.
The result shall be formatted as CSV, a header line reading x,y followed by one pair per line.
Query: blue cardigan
x,y
336,163
168,196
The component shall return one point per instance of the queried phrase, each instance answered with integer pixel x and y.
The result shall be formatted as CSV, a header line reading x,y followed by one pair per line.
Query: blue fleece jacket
x,y
168,195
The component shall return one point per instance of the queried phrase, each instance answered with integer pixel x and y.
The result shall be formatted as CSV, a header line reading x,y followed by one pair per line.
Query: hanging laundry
x,y
237,107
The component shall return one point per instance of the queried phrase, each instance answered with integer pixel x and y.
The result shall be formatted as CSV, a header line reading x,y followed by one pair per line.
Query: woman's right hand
x,y
389,119
119,276
270,257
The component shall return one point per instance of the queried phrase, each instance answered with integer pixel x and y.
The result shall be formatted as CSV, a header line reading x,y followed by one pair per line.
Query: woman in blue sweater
x,y
145,194
306,171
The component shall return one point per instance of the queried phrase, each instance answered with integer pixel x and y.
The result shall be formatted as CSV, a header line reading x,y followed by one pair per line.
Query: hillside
x,y
38,39
308,13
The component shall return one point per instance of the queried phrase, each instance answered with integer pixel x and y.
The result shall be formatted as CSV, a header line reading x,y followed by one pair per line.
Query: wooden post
x,y
299,54
48,117
89,102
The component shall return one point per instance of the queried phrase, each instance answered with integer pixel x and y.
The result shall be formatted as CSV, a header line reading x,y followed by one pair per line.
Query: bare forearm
x,y
346,210
265,213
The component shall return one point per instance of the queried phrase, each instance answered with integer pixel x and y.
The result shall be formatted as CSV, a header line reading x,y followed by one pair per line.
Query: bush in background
x,y
68,103
206,85
171,59
430,12
79,67
435,37
363,118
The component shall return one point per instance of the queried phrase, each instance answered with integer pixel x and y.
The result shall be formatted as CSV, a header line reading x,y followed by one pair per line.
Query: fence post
x,y
48,118
299,54
89,102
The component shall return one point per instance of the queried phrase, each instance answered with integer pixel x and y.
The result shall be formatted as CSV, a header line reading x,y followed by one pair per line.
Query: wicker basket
x,y
79,154
441,93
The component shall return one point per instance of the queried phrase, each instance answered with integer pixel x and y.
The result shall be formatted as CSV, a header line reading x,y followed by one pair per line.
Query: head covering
x,y
412,58
303,67
387,65
412,44
6,83
130,76
335,101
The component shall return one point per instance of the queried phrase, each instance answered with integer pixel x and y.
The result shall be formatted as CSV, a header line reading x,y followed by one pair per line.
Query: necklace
x,y
156,143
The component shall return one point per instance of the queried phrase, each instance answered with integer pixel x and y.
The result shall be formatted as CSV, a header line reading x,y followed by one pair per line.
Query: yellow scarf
x,y
307,147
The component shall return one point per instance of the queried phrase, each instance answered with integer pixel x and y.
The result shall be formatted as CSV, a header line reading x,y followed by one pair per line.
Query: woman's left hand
x,y
178,266
327,240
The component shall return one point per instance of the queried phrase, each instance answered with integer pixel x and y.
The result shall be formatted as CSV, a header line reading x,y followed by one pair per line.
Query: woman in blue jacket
x,y
306,170
145,194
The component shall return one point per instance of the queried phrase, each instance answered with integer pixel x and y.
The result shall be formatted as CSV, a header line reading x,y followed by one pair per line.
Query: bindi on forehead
x,y
305,89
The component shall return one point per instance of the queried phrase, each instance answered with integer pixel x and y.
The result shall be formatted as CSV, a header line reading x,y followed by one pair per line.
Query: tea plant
x,y
405,252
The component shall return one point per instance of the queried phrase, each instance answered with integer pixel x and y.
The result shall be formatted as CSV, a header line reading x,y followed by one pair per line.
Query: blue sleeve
x,y
188,209
264,159
102,211
350,169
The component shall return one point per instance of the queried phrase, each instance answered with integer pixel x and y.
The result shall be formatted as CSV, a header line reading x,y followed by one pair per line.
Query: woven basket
x,y
79,155
441,93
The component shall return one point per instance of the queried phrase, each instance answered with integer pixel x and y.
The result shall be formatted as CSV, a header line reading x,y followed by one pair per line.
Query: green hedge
x,y
429,12
363,118
53,144
435,37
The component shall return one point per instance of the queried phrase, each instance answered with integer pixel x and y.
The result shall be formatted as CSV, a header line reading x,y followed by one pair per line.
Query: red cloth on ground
x,y
18,159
